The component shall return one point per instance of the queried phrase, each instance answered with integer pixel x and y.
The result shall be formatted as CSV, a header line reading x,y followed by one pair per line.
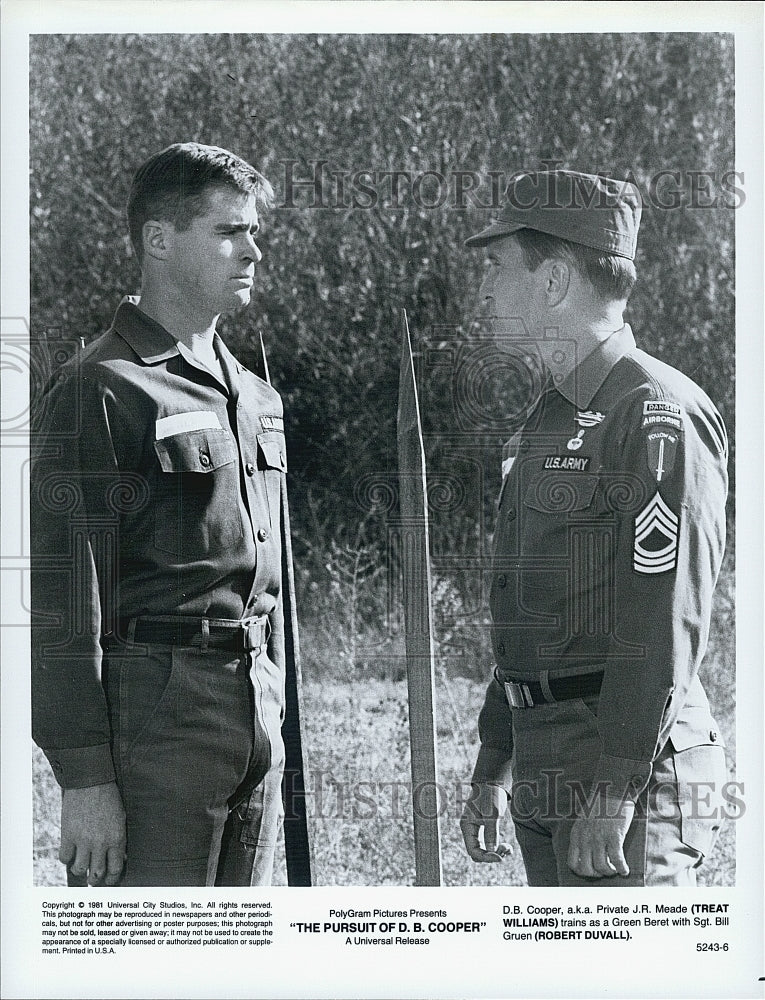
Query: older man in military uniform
x,y
608,542
158,659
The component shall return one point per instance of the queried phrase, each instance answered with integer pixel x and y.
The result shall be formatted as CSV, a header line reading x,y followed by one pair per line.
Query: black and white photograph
x,y
382,528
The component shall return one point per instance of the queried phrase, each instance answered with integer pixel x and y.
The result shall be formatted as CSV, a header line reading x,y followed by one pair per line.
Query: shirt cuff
x,y
82,767
492,767
620,777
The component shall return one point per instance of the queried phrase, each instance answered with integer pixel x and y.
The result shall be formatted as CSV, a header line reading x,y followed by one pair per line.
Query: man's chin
x,y
240,302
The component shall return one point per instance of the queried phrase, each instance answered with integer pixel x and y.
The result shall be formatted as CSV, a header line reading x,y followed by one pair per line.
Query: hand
x,y
483,811
596,848
93,833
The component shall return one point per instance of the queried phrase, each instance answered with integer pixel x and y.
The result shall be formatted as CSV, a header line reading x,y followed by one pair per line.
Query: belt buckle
x,y
252,636
518,695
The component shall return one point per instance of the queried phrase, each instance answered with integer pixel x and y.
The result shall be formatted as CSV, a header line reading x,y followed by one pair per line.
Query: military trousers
x,y
198,753
677,817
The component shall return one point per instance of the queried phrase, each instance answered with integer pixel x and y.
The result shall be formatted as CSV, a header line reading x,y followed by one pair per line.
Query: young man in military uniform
x,y
158,654
608,542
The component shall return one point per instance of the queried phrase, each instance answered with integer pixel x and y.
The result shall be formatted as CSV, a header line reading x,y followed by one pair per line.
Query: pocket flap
x,y
196,451
698,730
273,450
556,492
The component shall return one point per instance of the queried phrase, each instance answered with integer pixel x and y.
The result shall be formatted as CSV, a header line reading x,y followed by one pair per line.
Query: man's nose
x,y
252,250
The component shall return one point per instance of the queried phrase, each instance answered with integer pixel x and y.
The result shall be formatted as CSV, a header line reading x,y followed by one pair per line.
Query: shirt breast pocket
x,y
559,519
272,460
197,494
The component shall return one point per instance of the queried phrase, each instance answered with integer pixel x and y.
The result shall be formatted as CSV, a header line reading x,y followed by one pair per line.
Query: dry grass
x,y
359,758
358,755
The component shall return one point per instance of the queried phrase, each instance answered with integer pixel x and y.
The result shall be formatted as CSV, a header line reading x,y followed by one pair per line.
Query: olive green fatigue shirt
x,y
155,490
609,539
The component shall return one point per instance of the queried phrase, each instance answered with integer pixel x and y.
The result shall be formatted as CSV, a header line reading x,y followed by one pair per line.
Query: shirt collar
x,y
226,358
150,341
580,385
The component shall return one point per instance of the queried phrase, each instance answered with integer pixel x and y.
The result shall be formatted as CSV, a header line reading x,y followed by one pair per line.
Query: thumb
x,y
490,834
66,851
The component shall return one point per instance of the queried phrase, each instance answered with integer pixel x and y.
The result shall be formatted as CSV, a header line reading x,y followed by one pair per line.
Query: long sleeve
x,y
75,487
495,729
669,540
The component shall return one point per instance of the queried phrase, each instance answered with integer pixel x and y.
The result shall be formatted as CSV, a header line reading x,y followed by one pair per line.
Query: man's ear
x,y
157,238
558,281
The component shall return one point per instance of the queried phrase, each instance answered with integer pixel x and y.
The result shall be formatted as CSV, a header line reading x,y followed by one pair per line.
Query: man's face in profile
x,y
507,293
213,261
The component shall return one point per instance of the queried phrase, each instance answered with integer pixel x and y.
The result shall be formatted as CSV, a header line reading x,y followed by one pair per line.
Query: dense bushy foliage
x,y
334,278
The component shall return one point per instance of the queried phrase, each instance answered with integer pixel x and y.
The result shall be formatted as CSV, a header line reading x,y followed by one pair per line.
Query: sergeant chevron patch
x,y
656,533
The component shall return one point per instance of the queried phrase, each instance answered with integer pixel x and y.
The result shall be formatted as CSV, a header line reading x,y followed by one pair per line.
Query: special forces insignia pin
x,y
656,533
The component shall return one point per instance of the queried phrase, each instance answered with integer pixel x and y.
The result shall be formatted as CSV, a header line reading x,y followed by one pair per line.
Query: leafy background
x,y
330,289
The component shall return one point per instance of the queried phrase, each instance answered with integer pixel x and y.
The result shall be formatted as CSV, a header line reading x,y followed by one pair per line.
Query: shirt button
x,y
204,458
501,648
501,580
525,445
262,534
249,469
511,514
252,601
713,736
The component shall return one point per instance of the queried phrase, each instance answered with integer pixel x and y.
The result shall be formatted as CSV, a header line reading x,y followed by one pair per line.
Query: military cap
x,y
598,212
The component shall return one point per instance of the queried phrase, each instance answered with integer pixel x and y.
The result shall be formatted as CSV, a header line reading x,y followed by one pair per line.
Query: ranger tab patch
x,y
656,533
660,411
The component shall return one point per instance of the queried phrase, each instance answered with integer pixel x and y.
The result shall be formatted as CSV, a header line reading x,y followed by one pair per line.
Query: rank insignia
x,y
662,448
589,418
656,533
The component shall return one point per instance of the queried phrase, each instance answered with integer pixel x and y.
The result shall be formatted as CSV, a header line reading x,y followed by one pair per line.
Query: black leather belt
x,y
530,694
234,635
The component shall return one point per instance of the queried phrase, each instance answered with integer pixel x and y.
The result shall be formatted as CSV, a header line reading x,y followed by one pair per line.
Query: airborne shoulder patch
x,y
661,411
663,424
657,529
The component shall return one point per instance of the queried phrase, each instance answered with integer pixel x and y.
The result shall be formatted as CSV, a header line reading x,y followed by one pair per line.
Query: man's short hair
x,y
612,277
173,185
